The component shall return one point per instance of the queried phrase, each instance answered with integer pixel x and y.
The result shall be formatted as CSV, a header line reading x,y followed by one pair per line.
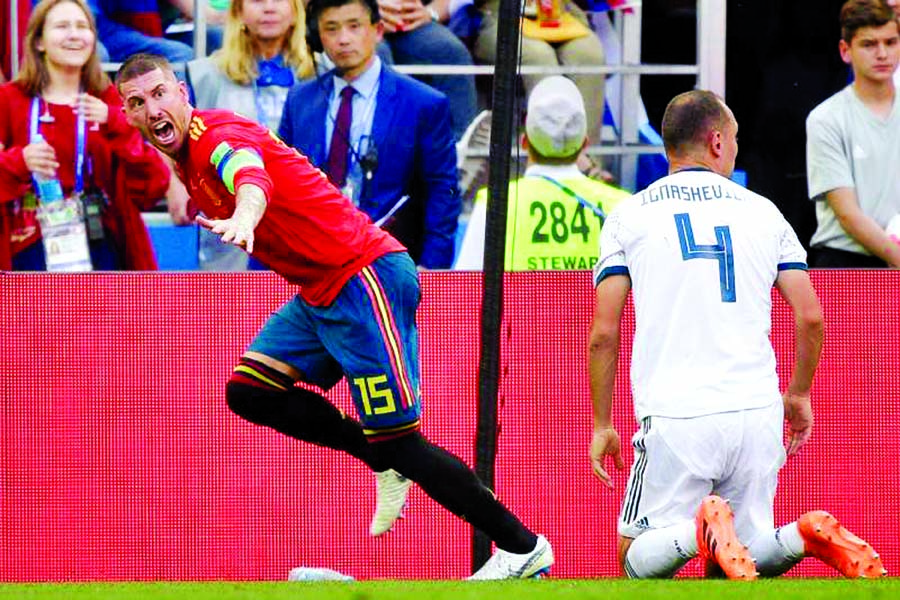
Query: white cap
x,y
555,123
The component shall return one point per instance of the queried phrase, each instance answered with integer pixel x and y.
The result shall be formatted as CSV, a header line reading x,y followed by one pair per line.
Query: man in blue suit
x,y
384,138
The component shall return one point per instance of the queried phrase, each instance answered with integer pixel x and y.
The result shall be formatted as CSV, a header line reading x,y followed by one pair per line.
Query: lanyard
x,y
596,209
79,140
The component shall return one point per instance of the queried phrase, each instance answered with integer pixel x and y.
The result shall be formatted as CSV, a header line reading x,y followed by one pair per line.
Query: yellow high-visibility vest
x,y
548,229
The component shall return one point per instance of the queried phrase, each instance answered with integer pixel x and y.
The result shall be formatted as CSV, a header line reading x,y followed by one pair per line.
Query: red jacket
x,y
132,173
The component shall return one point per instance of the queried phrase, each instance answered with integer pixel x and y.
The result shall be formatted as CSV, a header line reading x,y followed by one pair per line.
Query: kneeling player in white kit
x,y
701,254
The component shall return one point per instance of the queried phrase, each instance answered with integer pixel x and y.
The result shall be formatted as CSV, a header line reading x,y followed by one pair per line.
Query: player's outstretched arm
x,y
250,206
603,357
797,290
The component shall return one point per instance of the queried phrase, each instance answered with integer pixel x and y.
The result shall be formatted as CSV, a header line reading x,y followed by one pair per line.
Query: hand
x,y
95,109
593,170
391,15
40,158
403,15
177,199
233,231
250,205
798,413
415,14
606,442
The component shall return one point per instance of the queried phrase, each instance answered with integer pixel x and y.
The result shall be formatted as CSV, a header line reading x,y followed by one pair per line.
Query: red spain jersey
x,y
310,233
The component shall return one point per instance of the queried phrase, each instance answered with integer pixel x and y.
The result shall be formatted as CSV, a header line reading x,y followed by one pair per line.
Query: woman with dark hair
x,y
61,118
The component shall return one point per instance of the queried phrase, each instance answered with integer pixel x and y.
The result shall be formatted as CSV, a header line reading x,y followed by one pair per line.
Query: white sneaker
x,y
391,489
506,565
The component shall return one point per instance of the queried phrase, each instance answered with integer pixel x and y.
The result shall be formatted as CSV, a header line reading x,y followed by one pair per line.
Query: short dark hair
x,y
689,117
141,64
856,14
314,11
315,7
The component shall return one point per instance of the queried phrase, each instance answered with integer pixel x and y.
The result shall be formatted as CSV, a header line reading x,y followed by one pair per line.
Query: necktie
x,y
340,139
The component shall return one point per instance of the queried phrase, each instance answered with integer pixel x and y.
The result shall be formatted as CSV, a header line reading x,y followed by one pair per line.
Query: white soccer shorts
x,y
677,462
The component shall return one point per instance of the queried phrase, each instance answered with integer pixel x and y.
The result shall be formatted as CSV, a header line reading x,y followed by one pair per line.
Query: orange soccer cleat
x,y
825,539
718,542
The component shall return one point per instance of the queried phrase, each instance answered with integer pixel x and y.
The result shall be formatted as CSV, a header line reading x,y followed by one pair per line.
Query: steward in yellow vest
x,y
555,212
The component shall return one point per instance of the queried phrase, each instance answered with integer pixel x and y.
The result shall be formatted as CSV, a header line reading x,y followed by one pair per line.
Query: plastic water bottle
x,y
48,188
316,574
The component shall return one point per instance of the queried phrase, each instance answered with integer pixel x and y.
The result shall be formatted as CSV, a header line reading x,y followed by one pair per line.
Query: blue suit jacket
x,y
416,157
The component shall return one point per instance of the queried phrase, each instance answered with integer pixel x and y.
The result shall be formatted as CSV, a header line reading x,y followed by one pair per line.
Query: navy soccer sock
x,y
451,483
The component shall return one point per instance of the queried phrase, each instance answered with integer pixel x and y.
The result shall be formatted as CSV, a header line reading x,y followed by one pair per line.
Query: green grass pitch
x,y
546,589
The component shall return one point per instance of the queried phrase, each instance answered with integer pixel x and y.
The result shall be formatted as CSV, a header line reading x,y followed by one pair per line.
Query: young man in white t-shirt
x,y
853,146
701,254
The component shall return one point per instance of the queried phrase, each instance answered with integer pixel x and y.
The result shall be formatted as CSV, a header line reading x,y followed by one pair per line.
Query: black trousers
x,y
830,258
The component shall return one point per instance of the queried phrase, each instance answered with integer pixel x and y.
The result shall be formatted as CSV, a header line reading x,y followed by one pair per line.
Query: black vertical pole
x,y
503,104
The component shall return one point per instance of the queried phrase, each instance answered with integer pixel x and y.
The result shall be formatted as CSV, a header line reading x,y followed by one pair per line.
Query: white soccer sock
x,y
778,550
661,552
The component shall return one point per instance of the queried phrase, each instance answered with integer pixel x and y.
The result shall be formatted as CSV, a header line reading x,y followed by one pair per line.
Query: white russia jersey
x,y
702,253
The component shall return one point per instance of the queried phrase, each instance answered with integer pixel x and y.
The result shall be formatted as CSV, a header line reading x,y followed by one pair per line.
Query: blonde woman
x,y
263,54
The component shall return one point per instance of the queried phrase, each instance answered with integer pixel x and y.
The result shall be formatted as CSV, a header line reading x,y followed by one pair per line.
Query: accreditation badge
x,y
64,235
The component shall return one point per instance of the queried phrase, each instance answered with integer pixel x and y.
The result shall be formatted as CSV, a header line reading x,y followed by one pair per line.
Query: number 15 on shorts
x,y
377,398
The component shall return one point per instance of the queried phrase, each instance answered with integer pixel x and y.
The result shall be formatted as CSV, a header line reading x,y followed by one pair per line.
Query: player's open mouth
x,y
164,133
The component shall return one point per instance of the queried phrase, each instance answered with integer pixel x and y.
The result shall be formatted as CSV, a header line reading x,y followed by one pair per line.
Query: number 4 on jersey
x,y
721,251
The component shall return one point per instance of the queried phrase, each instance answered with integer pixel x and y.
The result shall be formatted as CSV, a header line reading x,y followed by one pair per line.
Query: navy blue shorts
x,y
368,335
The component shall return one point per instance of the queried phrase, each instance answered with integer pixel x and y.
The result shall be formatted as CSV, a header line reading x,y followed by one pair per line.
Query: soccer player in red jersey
x,y
354,316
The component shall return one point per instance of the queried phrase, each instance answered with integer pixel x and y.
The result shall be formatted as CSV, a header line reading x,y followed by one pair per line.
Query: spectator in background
x,y
127,27
181,12
701,255
61,75
555,212
383,137
568,41
414,31
263,54
852,145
